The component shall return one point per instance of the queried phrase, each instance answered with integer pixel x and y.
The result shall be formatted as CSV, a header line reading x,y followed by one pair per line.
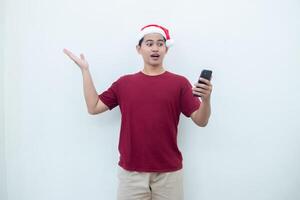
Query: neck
x,y
150,70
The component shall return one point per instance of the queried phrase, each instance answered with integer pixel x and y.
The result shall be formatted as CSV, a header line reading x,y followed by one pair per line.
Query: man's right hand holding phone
x,y
203,89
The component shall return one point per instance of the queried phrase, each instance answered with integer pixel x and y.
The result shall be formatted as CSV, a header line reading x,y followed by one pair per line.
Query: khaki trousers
x,y
150,185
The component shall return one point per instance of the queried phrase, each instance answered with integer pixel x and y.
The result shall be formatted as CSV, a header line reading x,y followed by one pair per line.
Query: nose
x,y
155,47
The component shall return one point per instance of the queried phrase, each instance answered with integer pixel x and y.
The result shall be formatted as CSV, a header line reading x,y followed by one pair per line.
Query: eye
x,y
149,44
160,44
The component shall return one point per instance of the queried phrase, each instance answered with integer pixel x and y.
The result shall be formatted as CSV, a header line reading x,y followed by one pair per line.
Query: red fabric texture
x,y
150,108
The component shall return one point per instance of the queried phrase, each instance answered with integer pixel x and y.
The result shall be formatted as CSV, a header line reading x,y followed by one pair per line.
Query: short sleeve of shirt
x,y
188,102
110,96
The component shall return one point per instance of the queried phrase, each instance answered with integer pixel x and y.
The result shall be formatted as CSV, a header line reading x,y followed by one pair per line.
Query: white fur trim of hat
x,y
154,28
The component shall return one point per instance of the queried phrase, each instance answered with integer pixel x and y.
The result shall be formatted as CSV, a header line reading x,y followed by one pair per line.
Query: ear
x,y
167,49
138,49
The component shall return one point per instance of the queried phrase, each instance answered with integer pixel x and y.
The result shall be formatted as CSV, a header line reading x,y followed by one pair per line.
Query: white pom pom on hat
x,y
154,28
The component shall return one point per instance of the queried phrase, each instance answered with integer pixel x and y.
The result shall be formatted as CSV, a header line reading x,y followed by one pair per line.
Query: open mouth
x,y
155,56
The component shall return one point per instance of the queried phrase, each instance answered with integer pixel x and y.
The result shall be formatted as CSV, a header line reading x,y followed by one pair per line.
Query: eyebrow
x,y
160,40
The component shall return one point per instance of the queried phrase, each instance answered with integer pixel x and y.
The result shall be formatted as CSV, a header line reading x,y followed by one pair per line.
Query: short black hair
x,y
141,40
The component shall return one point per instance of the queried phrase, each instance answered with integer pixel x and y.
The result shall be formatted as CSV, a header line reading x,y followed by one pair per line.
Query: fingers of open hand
x,y
71,55
78,60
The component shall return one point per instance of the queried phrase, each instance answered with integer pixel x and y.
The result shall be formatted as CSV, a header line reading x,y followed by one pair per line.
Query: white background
x,y
51,149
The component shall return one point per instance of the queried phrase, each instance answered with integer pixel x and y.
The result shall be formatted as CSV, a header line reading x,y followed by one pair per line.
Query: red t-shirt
x,y
150,109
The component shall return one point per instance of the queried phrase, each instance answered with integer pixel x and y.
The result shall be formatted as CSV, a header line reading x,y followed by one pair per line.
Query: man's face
x,y
153,49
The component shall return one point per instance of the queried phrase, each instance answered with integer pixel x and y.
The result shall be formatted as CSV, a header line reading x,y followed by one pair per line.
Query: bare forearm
x,y
202,114
90,93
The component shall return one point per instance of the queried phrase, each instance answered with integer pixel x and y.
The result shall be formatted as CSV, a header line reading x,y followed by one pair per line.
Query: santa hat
x,y
154,28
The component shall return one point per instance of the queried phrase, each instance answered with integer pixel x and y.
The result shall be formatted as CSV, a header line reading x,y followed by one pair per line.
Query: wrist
x,y
83,70
206,100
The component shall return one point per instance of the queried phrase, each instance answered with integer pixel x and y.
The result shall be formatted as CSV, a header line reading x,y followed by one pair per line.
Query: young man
x,y
150,101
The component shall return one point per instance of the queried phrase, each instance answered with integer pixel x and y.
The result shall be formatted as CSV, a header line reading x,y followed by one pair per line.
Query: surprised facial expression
x,y
153,49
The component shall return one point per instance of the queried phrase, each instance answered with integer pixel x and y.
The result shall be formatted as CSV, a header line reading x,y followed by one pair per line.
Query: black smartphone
x,y
204,74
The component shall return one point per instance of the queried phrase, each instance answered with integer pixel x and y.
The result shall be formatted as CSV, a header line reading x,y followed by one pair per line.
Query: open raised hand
x,y
80,61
